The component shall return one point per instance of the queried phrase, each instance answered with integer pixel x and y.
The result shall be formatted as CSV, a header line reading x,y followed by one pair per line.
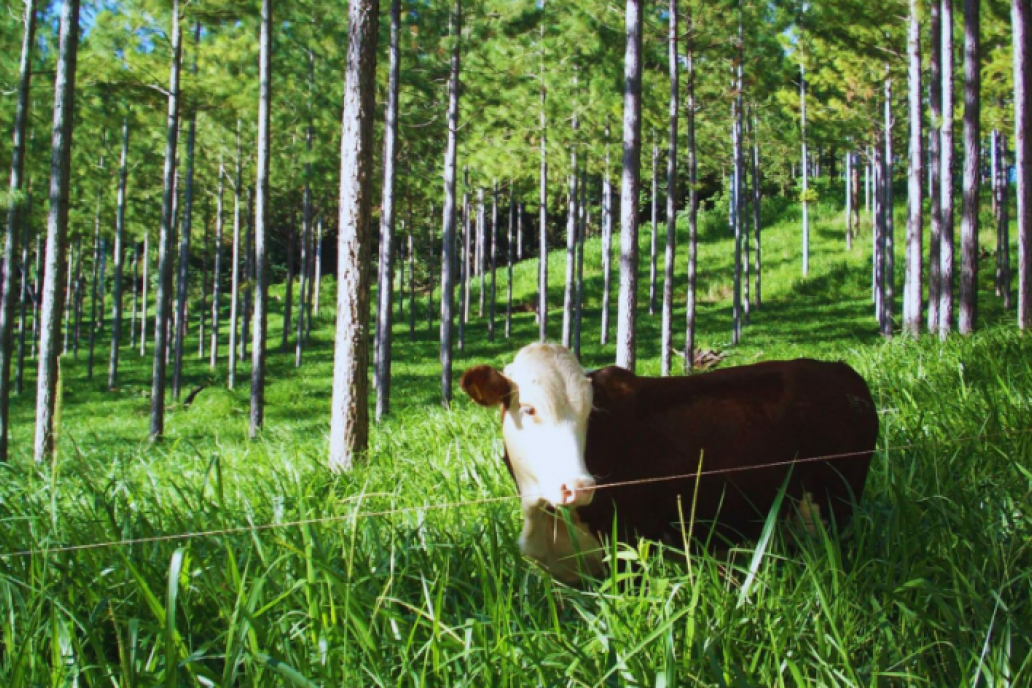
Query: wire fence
x,y
257,528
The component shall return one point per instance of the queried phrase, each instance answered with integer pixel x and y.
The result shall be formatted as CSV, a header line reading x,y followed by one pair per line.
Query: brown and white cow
x,y
569,433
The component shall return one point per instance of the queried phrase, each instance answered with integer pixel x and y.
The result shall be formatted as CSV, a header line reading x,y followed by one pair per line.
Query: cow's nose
x,y
577,492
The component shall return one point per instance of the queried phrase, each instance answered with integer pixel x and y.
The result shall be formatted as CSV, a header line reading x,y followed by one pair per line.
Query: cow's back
x,y
738,422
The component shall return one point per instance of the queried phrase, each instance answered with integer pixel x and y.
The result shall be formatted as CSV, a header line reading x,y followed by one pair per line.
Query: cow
x,y
717,447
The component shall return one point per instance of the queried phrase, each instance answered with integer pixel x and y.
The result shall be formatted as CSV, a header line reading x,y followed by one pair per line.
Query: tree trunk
x,y
261,230
481,252
889,249
143,296
582,230
805,171
849,201
182,280
216,280
509,259
57,230
165,243
972,166
737,199
934,165
946,176
412,280
912,286
449,219
492,307
757,200
349,418
288,287
655,227
1021,29
879,237
464,277
693,210
629,187
571,251
13,226
26,223
234,307
607,241
202,311
1004,227
543,198
116,296
94,278
37,295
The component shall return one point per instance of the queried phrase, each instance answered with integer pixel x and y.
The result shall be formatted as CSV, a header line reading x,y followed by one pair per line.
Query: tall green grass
x,y
930,585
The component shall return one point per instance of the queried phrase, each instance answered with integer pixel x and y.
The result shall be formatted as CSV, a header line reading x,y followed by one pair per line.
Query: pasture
x,y
406,571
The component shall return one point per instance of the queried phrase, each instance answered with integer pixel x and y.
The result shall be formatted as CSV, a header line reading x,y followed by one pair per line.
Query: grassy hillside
x,y
931,584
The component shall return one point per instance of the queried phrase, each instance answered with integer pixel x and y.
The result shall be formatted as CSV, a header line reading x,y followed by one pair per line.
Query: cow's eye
x,y
528,410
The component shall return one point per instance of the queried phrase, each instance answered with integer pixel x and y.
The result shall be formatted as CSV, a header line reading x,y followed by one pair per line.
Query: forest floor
x,y
407,570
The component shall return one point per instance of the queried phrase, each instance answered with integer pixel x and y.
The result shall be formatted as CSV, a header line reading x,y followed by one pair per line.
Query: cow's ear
x,y
485,385
609,384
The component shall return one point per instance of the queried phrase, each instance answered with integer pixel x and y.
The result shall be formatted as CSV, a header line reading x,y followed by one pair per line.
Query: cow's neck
x,y
566,550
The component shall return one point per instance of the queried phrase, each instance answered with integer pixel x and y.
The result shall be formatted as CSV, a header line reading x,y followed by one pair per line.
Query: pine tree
x,y
912,286
116,310
262,220
1021,29
14,225
972,170
349,415
946,175
448,252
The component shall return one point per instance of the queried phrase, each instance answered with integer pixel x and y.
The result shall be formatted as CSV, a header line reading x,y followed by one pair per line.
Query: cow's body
x,y
752,427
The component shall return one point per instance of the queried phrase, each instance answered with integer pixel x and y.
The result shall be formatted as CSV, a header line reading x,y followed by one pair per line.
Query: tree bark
x,y
261,229
349,419
493,306
946,176
934,165
182,280
1021,30
915,229
757,199
509,259
23,296
464,277
216,281
805,171
972,168
738,185
582,230
234,299
693,211
98,250
11,237
116,296
543,198
653,239
288,286
57,230
143,296
571,250
607,241
449,219
889,250
629,188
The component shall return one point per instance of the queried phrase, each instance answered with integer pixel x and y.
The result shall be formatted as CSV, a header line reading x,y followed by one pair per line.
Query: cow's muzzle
x,y
577,492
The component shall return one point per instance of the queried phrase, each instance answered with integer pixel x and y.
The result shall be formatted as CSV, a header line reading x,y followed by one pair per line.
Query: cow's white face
x,y
546,398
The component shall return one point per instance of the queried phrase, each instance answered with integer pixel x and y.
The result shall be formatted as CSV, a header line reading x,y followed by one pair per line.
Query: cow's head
x,y
545,397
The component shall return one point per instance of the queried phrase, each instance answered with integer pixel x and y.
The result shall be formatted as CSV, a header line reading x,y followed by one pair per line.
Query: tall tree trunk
x,y
349,417
935,165
915,229
234,298
693,210
249,272
481,252
1004,226
13,224
202,311
571,250
1021,30
182,280
94,278
653,259
879,236
607,241
430,278
543,198
463,261
165,243
288,290
493,306
889,249
805,171
136,295
261,229
849,201
996,181
757,199
23,296
216,280
57,230
449,219
304,295
972,167
946,176
143,296
116,296
412,280
629,188
582,230
37,295
739,222
509,258
79,289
